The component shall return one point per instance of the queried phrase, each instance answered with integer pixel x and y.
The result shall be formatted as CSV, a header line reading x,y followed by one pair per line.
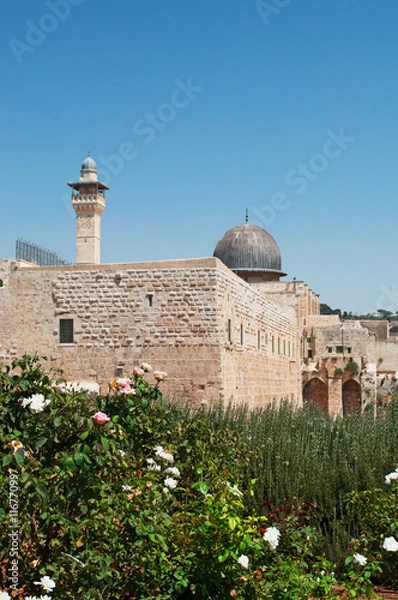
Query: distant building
x,y
220,325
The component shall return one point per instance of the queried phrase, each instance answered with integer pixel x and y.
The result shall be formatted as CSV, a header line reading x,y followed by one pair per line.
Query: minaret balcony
x,y
87,201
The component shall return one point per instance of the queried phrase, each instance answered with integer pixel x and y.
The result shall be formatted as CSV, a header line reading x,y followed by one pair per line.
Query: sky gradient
x,y
196,110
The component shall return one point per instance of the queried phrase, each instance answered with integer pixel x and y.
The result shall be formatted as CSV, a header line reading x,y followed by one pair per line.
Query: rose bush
x,y
125,496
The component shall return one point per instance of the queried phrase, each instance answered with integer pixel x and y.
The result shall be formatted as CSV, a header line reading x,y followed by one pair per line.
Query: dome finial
x,y
89,164
247,215
88,153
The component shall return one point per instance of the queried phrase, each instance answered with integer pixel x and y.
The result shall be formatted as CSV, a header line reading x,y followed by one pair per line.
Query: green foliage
x,y
353,367
160,500
376,513
327,310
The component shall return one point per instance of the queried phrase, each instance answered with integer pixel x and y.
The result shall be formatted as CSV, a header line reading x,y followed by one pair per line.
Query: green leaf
x,y
40,442
84,435
144,403
79,458
18,458
105,443
7,459
69,463
223,557
203,487
42,490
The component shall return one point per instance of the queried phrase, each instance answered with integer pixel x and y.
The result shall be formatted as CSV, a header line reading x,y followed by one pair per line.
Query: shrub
x,y
127,496
376,512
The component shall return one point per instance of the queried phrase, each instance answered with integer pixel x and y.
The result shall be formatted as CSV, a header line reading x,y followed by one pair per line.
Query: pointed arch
x,y
316,392
351,397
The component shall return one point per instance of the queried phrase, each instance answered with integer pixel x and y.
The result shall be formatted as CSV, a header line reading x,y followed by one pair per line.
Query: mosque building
x,y
224,325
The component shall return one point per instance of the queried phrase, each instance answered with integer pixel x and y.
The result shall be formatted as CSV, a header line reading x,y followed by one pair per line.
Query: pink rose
x,y
101,417
159,375
138,372
123,381
128,390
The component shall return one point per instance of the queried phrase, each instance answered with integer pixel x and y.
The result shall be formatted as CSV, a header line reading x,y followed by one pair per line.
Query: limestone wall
x,y
387,352
293,293
330,339
377,328
122,314
172,314
265,367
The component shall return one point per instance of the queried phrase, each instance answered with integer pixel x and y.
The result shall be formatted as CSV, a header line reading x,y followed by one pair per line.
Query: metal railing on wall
x,y
37,255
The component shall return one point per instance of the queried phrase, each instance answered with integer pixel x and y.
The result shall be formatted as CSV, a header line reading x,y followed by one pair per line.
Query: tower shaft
x,y
88,200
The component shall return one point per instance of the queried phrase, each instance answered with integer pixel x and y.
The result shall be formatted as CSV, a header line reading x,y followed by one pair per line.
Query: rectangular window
x,y
279,345
229,330
284,347
150,299
266,339
273,344
330,349
308,340
258,340
241,334
289,349
66,331
348,350
339,349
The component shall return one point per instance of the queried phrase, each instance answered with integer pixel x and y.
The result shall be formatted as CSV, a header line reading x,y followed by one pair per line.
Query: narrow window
x,y
266,339
229,330
66,331
258,340
348,350
273,343
241,334
279,345
308,340
289,348
284,347
150,299
1,283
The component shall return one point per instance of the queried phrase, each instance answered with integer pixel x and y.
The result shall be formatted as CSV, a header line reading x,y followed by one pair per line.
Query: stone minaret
x,y
88,200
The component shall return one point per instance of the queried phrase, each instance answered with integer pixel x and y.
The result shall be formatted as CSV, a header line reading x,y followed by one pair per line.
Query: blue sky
x,y
194,111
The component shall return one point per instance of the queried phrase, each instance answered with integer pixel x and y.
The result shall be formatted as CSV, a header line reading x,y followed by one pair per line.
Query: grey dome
x,y
89,164
249,248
